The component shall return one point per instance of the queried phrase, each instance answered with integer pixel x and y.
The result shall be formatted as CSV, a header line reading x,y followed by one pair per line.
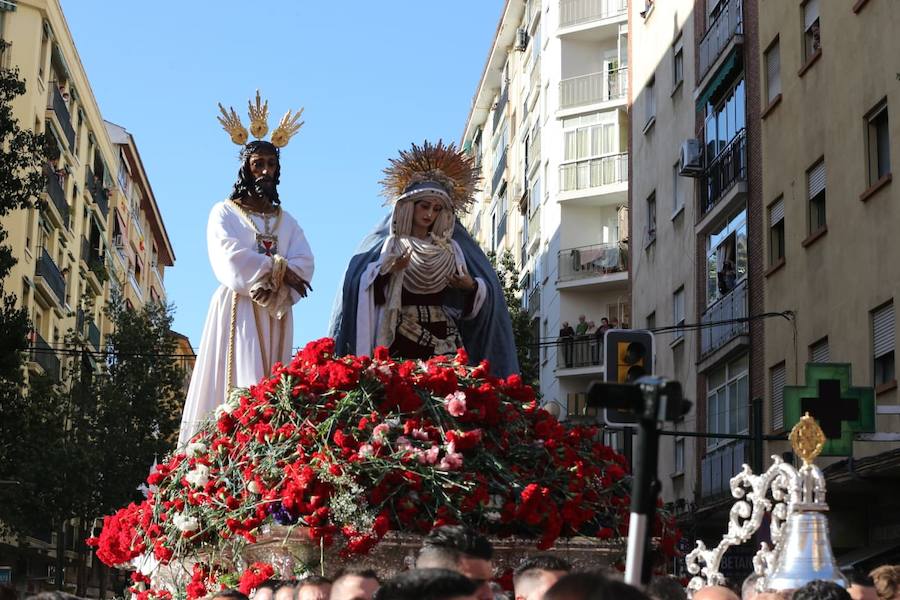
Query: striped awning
x,y
8,5
722,75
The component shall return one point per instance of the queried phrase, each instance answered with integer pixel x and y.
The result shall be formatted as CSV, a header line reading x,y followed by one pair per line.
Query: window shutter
x,y
777,378
820,352
773,71
776,212
815,178
810,13
883,330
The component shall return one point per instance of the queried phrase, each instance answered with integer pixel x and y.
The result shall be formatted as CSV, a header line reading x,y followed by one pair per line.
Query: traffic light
x,y
628,355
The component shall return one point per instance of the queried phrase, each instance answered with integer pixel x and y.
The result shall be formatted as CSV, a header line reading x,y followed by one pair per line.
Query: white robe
x,y
239,266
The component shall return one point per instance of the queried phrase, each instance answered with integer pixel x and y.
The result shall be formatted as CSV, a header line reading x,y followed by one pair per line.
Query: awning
x,y
722,75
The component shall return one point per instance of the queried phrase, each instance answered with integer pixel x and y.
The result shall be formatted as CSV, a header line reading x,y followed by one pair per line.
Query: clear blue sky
x,y
372,76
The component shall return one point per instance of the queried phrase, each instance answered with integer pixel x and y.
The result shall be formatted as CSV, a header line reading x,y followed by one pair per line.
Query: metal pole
x,y
644,491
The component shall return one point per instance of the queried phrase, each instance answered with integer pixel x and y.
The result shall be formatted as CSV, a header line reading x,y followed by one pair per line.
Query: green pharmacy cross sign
x,y
840,409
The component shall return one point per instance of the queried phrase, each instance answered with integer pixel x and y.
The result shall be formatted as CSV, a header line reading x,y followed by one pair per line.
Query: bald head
x,y
715,592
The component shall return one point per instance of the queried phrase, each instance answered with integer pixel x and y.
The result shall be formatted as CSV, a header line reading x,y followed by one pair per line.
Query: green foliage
x,y
523,332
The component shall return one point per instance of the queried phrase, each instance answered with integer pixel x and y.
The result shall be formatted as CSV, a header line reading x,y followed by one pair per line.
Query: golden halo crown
x,y
452,170
289,125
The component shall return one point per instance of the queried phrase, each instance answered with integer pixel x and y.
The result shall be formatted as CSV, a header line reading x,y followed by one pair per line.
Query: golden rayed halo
x,y
444,164
289,125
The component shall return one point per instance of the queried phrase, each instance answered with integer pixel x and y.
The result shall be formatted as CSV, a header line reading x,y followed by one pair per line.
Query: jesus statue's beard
x,y
264,187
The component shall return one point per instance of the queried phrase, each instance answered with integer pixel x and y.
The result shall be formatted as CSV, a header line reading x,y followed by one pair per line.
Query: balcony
x,y
501,107
98,192
577,12
56,103
719,466
501,228
58,197
135,286
534,301
598,263
723,27
534,230
605,179
499,172
44,356
579,353
726,170
723,312
47,274
534,152
594,88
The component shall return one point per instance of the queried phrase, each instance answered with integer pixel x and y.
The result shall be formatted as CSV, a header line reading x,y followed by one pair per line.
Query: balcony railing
x,y
593,88
534,301
501,228
499,172
98,192
720,465
501,107
534,151
534,224
723,26
46,268
57,196
594,172
58,105
592,261
575,12
725,170
136,286
724,312
579,351
93,335
45,356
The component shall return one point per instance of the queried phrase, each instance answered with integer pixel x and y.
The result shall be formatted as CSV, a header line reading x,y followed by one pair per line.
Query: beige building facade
x,y
830,138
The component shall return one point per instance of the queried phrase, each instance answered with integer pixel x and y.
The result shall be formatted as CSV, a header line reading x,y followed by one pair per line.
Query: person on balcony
x,y
420,285
264,264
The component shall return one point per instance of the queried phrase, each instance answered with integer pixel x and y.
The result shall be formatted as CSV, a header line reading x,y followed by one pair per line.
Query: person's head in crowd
x,y
285,590
536,574
228,595
354,584
819,589
592,585
314,587
266,590
715,592
462,550
886,580
665,587
861,585
428,584
748,588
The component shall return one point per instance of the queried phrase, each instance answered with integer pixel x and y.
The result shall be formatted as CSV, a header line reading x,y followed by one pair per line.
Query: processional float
x,y
799,550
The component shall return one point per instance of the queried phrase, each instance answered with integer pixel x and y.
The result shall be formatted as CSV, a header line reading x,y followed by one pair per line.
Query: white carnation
x,y
198,476
253,487
195,449
185,523
226,407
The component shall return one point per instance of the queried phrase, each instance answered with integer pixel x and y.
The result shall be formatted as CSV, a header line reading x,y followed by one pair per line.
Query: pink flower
x,y
429,456
456,403
380,432
420,434
451,461
366,450
403,443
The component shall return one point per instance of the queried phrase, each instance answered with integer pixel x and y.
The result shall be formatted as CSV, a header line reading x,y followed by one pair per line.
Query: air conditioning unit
x,y
691,162
119,241
521,39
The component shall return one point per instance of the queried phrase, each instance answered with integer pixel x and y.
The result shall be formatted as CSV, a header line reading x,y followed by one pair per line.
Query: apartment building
x,y
68,252
830,140
549,127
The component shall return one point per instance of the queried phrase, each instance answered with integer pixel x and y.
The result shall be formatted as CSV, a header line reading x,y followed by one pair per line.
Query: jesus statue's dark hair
x,y
244,186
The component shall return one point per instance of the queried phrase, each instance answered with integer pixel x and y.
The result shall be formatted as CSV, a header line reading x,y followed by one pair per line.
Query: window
x,y
879,142
649,103
679,455
677,62
773,71
678,312
815,185
812,42
776,231
651,321
651,218
591,152
727,400
776,381
819,352
883,344
725,120
726,257
677,195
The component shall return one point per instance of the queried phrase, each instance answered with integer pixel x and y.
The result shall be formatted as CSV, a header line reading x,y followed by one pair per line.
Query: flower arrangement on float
x,y
347,449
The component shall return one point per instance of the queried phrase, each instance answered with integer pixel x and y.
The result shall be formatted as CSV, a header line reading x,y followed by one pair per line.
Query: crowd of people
x,y
581,345
455,563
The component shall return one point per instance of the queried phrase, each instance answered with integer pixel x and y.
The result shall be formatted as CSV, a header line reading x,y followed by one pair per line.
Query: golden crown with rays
x,y
289,125
432,169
